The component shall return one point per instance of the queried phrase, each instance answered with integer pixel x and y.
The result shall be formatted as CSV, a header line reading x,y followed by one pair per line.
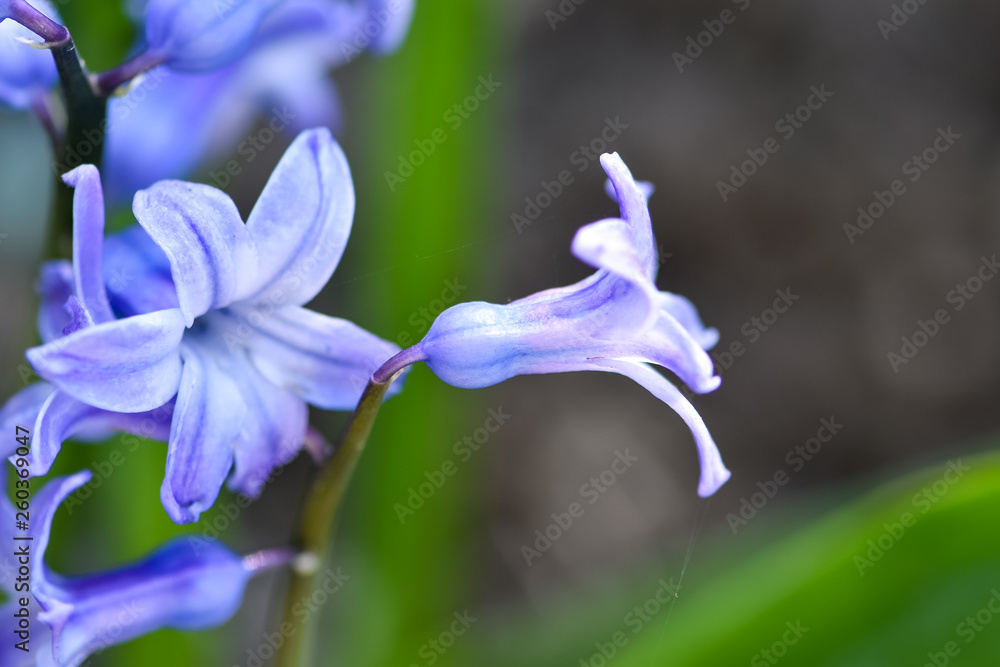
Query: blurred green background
x,y
826,569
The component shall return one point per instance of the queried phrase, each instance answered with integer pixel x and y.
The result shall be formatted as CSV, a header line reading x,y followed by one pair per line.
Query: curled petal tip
x,y
713,481
71,178
709,385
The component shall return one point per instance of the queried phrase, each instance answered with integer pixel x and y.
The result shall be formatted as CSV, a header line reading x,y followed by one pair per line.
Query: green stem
x,y
317,517
87,113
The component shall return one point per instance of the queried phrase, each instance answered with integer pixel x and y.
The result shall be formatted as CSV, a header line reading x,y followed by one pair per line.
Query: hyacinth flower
x,y
200,314
614,321
67,619
26,73
196,110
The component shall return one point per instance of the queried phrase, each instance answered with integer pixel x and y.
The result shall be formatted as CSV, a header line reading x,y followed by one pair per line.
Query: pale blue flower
x,y
201,310
615,321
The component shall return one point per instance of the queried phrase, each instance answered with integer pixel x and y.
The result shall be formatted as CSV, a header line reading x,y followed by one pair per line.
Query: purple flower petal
x,y
129,365
207,422
88,242
390,21
274,430
303,219
21,410
137,274
713,473
185,585
168,125
197,35
687,316
25,72
63,417
610,245
670,345
55,287
632,200
203,237
324,360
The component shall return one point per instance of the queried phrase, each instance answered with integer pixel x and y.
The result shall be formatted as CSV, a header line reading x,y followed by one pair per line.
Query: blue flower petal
x,y
63,417
325,360
129,365
303,219
137,274
185,585
610,245
274,430
55,287
392,18
21,410
201,35
88,242
686,314
208,418
25,72
713,472
671,345
203,237
632,198
168,125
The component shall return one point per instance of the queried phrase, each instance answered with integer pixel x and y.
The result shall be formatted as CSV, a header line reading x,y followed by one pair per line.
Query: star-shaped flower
x,y
211,319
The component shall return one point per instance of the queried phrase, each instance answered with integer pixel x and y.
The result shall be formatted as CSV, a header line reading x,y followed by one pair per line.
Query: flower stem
x,y
38,23
317,518
86,112
108,82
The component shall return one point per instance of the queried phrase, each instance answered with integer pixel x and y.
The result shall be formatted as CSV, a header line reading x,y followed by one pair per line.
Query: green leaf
x,y
896,578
